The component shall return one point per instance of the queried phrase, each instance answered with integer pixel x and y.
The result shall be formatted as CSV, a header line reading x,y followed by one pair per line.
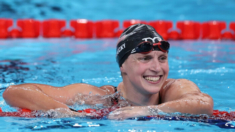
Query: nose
x,y
155,65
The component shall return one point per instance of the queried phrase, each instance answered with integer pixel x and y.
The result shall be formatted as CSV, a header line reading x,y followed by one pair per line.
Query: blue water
x,y
198,10
59,62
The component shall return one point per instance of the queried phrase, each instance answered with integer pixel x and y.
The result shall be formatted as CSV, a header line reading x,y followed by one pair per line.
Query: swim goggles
x,y
146,47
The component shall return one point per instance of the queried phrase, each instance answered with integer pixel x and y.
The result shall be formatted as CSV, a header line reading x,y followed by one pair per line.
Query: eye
x,y
163,58
145,58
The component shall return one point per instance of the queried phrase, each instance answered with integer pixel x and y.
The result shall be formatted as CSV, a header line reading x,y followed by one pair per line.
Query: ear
x,y
122,69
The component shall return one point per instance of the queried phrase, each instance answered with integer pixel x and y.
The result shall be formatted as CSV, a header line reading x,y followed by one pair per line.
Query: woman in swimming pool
x,y
142,55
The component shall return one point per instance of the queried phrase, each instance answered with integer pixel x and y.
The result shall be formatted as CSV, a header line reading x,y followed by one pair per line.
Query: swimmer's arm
x,y
45,97
184,96
30,96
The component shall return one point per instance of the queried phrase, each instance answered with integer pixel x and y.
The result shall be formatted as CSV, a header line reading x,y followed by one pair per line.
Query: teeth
x,y
152,78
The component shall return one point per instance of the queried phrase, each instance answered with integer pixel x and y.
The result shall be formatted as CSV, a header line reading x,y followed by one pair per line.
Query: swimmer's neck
x,y
136,98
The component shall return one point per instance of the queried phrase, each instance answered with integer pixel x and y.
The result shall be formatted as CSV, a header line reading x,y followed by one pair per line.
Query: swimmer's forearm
x,y
30,97
200,104
85,94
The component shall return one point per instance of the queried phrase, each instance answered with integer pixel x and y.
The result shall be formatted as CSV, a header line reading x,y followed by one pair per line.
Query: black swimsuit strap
x,y
72,109
115,89
115,99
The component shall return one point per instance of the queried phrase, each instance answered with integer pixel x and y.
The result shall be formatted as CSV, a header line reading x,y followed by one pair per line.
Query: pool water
x,y
59,62
196,10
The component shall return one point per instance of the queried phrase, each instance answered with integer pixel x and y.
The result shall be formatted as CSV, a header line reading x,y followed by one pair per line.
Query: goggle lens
x,y
146,47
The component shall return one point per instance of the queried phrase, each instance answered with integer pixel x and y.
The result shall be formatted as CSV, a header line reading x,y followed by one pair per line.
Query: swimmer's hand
x,y
131,112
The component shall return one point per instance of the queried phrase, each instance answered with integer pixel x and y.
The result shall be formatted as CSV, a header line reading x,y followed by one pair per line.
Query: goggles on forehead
x,y
146,47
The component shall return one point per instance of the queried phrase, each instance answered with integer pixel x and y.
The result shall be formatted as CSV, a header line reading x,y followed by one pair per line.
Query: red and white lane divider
x,y
82,28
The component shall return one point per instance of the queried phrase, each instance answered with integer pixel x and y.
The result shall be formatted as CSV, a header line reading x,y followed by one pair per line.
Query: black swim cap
x,y
133,36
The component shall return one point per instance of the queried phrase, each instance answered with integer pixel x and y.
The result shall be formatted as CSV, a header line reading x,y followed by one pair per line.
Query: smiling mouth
x,y
152,79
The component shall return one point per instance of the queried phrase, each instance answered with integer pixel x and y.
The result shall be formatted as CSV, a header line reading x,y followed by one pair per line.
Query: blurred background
x,y
174,10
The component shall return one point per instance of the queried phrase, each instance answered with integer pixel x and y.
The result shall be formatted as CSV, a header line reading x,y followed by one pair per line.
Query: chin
x,y
154,90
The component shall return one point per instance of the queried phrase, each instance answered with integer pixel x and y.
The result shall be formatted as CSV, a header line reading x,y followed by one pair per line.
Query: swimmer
x,y
142,55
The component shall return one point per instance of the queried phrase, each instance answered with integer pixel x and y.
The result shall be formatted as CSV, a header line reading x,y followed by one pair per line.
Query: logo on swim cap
x,y
121,48
153,39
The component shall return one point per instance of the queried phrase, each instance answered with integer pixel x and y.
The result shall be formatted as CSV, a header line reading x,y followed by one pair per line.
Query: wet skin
x,y
144,75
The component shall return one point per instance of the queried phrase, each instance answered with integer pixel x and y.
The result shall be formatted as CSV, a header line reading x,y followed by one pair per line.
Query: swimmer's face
x,y
146,72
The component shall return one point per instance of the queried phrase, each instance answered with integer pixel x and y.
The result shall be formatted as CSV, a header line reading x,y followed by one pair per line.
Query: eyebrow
x,y
143,54
165,54
150,55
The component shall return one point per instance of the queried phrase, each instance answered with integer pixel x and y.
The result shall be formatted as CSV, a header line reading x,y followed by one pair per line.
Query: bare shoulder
x,y
120,86
174,89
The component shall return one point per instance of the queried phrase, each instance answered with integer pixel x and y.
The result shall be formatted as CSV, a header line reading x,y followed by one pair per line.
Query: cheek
x,y
141,68
165,68
136,71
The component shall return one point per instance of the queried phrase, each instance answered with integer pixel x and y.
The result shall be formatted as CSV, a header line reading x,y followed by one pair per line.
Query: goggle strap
x,y
156,44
